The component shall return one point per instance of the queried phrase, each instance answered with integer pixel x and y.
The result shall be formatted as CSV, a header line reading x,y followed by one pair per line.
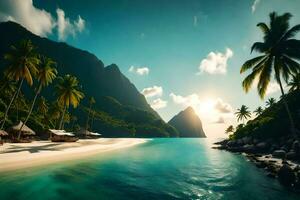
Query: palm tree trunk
x,y
293,128
92,123
30,111
88,119
62,118
10,103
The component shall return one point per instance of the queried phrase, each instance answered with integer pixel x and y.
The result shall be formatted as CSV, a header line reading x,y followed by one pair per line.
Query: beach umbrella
x,y
25,129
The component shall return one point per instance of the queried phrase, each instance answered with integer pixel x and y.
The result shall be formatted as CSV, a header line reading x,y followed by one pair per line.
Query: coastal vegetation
x,y
119,110
272,133
279,54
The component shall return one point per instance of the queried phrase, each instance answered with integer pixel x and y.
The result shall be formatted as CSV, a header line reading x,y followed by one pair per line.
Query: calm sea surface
x,y
159,169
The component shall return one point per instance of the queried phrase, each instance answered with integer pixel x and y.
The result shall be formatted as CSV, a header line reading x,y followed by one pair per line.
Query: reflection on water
x,y
158,169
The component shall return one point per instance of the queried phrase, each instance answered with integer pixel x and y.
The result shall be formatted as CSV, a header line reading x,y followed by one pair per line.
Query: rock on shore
x,y
280,158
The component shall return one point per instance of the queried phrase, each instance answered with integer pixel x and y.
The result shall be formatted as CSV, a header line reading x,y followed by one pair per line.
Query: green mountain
x,y
120,102
187,123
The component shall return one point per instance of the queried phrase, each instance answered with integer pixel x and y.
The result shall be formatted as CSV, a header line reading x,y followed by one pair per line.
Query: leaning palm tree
x,y
243,113
230,129
294,84
279,52
258,111
91,102
68,94
22,65
270,102
45,75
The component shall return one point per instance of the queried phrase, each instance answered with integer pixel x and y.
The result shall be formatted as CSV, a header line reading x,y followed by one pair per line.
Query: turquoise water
x,y
158,169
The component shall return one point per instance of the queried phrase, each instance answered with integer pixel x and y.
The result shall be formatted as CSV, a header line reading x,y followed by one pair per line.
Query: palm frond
x,y
249,63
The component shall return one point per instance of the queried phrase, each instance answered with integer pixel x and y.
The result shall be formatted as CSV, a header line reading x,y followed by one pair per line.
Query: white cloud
x,y
219,120
152,91
254,5
39,21
158,104
190,100
80,24
210,110
195,21
223,107
215,62
65,27
139,70
36,20
272,88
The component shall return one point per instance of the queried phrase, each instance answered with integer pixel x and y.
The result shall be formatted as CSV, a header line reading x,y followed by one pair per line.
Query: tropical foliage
x,y
22,65
270,102
243,113
279,51
294,84
230,129
68,93
258,111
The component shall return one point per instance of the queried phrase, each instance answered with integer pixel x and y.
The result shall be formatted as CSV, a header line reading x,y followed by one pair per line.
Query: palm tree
x,y
259,110
8,86
45,75
279,50
91,102
295,83
270,102
43,106
22,65
93,118
73,119
230,129
54,113
243,113
68,94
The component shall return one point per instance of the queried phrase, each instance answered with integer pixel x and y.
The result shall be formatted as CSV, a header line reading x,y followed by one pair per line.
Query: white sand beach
x,y
24,155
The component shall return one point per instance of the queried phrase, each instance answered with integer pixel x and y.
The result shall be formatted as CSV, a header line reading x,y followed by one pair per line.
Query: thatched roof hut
x,y
3,133
25,129
89,133
61,132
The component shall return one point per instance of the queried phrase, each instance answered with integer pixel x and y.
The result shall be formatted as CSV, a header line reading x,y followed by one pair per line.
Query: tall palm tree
x,y
243,113
294,84
279,52
68,94
22,65
45,75
91,102
259,110
270,102
43,106
230,129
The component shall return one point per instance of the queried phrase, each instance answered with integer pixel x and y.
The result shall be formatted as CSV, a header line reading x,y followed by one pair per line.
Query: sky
x,y
177,53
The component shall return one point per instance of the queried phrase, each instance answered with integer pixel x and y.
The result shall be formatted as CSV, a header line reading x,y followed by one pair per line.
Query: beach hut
x,y
2,134
62,136
26,131
89,134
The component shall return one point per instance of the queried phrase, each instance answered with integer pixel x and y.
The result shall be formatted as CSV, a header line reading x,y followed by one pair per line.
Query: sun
x,y
207,107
